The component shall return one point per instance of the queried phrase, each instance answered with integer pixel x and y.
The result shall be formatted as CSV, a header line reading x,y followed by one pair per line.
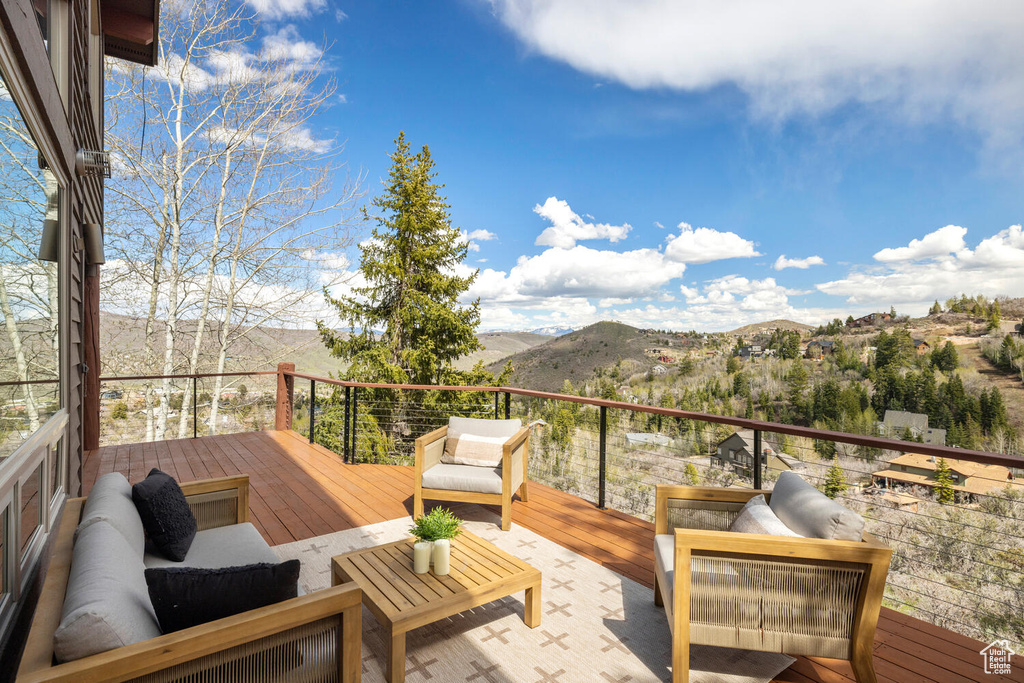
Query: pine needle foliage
x,y
412,288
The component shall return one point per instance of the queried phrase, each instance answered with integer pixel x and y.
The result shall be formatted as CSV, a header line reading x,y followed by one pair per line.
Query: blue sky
x,y
650,162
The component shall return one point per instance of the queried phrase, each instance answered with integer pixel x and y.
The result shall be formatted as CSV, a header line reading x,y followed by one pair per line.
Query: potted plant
x,y
434,532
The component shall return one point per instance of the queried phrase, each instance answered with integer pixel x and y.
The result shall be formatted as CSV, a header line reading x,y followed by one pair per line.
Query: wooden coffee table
x,y
403,600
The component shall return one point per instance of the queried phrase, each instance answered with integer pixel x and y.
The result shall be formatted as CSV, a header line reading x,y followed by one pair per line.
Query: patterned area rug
x,y
596,626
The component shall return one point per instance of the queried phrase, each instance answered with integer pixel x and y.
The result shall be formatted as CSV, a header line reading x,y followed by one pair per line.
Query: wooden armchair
x,y
470,483
800,596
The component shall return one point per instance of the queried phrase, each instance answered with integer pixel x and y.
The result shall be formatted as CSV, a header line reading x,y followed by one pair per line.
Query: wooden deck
x,y
299,491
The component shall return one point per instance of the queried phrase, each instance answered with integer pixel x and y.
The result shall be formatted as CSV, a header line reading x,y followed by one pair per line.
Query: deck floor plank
x,y
298,491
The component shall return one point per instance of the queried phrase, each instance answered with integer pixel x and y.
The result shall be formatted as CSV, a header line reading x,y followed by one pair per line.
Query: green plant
x,y
438,524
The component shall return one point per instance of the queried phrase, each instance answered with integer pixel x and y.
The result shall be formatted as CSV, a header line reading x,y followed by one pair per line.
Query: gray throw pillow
x,y
757,518
811,513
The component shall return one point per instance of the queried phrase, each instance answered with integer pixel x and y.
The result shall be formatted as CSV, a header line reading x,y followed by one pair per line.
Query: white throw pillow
x,y
477,442
757,518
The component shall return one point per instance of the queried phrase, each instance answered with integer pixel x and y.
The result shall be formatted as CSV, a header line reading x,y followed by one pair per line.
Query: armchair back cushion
x,y
810,513
473,441
107,603
110,501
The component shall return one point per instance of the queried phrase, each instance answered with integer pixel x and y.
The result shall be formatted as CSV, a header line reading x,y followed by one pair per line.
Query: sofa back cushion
x,y
107,602
757,518
472,441
811,513
110,501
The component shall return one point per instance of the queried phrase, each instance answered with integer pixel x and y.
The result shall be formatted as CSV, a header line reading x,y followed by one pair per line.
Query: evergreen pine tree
x,y
690,475
411,292
944,482
835,482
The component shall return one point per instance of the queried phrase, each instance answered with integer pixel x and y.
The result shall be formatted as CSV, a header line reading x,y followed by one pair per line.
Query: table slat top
x,y
385,574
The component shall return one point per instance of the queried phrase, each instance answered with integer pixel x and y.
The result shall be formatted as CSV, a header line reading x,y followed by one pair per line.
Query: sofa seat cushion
x,y
811,513
188,596
467,478
110,501
473,441
757,518
165,514
107,603
224,546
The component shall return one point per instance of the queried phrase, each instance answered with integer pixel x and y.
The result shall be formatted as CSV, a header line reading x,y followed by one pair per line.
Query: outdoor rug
x,y
596,626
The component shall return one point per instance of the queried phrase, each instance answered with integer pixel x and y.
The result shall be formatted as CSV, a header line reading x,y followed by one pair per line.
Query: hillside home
x,y
869,320
750,351
659,370
970,479
897,423
816,350
921,346
52,169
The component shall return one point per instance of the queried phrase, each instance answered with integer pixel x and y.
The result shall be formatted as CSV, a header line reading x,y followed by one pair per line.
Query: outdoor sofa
x,y
309,637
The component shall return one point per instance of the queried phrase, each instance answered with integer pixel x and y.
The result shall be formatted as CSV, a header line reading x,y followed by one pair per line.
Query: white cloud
x,y
474,237
658,225
567,227
703,245
782,262
280,9
937,266
941,58
942,242
579,272
288,46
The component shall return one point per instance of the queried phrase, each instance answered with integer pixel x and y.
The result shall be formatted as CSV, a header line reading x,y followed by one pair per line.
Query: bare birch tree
x,y
226,209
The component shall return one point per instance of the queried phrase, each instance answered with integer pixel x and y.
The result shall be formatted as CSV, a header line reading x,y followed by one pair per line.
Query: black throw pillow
x,y
187,596
166,516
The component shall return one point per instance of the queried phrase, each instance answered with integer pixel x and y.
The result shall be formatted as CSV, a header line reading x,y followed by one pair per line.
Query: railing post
x,y
757,459
348,399
355,425
496,394
195,408
602,460
285,394
312,411
508,405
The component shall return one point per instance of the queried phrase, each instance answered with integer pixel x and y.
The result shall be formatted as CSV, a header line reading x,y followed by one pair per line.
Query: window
x,y
30,227
4,580
31,509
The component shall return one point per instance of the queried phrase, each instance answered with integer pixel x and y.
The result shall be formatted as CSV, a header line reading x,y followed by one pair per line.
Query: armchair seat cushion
x,y
810,513
720,575
466,478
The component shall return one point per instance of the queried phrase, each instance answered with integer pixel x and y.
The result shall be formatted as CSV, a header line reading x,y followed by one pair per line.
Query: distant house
x,y
639,439
816,350
666,359
896,423
870,320
780,462
658,370
750,351
970,479
921,346
737,451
